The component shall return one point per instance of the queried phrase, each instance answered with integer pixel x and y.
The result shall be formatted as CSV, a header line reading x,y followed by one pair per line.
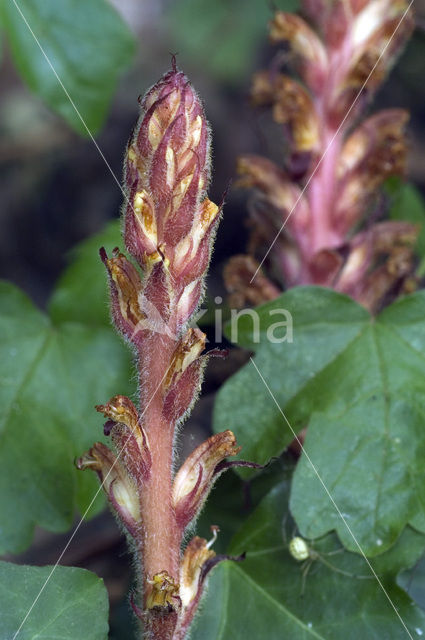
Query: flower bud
x,y
117,484
187,351
377,259
183,381
392,278
191,255
198,560
292,107
280,193
169,159
376,36
374,142
141,229
126,286
192,571
198,473
372,153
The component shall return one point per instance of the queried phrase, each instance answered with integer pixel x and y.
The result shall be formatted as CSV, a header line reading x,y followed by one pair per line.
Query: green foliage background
x,y
356,381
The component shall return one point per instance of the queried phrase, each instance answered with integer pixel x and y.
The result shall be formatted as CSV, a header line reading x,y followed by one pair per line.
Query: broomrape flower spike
x,y
169,227
306,214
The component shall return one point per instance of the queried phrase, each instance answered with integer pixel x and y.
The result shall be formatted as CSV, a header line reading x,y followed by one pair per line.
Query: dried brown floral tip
x,y
244,289
128,435
164,591
391,279
375,142
378,260
291,105
263,175
262,91
305,44
375,151
285,206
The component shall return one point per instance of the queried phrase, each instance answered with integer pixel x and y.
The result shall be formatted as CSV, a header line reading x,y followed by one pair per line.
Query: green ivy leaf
x,y
324,324
266,595
74,603
81,294
359,385
413,581
87,44
52,376
233,499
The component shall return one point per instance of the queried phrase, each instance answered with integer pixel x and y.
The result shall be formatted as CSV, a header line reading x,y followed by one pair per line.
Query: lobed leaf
x,y
81,294
359,384
262,596
74,603
51,378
